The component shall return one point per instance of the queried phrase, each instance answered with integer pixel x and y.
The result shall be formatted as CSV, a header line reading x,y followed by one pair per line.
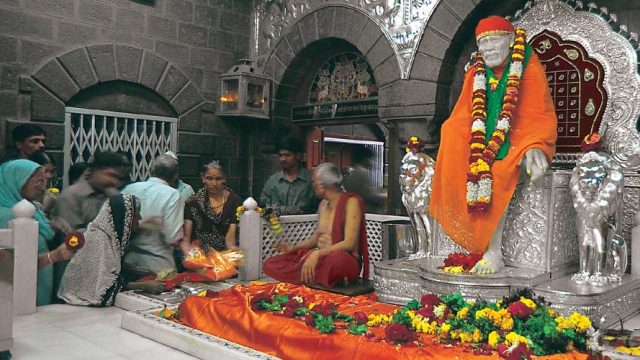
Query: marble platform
x,y
400,280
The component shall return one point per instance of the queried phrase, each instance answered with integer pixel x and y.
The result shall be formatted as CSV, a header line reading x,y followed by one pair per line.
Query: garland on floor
x,y
516,327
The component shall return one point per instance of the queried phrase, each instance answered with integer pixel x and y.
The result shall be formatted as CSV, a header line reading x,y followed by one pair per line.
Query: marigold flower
x,y
494,337
462,313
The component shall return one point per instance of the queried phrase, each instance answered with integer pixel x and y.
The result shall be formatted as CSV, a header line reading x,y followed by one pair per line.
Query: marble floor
x,y
58,332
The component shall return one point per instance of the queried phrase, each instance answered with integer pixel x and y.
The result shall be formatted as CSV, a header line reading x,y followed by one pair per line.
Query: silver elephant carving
x,y
416,175
596,186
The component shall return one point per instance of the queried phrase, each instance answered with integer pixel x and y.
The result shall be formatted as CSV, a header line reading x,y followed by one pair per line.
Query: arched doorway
x,y
335,106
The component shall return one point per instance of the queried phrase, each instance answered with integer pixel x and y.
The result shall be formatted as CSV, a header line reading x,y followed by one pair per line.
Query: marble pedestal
x,y
398,281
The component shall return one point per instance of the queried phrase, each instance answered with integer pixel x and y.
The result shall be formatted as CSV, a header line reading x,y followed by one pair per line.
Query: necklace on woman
x,y
216,203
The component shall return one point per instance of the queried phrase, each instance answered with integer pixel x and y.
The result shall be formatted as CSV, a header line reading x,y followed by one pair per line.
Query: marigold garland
x,y
482,155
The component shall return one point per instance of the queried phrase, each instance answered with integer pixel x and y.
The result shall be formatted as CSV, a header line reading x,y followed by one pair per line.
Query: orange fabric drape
x,y
533,126
229,316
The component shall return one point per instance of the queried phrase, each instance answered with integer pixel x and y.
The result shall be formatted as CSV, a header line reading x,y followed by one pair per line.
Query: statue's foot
x,y
580,277
490,263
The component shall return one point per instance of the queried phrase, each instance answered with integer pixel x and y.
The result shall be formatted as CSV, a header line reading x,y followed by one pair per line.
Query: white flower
x,y
515,68
439,310
472,191
484,188
478,125
479,82
503,124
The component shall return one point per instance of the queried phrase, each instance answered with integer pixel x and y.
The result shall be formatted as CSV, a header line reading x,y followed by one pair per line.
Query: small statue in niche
x,y
415,183
596,187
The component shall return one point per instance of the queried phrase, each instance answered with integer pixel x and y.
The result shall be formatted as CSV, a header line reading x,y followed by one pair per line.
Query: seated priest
x,y
502,130
337,250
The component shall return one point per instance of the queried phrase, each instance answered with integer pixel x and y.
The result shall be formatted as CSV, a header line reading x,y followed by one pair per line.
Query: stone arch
x,y
349,27
53,84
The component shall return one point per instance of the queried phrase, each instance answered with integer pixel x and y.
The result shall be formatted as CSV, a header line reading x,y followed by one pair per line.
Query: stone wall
x,y
53,50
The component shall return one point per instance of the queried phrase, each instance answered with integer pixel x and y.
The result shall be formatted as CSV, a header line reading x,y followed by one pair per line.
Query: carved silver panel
x,y
630,207
540,230
397,281
621,298
402,22
617,56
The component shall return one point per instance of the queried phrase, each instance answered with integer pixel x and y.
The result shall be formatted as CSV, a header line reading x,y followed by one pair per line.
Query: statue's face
x,y
495,49
591,174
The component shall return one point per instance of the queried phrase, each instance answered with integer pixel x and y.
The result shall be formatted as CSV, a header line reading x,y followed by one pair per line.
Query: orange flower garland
x,y
482,156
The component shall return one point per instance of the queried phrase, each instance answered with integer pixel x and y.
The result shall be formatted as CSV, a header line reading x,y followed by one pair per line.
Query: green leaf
x,y
413,305
344,318
301,311
324,325
357,329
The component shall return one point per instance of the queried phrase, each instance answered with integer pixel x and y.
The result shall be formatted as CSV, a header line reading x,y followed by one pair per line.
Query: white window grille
x,y
143,137
376,176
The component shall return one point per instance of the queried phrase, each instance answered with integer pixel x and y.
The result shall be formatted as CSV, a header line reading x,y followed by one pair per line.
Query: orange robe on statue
x,y
534,126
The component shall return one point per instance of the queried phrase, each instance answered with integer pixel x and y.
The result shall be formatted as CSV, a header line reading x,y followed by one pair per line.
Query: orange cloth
x,y
533,126
229,316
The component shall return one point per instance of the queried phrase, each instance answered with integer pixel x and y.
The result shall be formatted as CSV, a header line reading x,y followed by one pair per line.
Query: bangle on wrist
x,y
49,257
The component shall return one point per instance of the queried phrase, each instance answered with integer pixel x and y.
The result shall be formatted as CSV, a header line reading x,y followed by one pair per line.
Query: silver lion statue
x,y
415,183
596,187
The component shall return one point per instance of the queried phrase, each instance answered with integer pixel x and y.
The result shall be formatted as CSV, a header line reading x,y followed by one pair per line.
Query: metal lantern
x,y
245,92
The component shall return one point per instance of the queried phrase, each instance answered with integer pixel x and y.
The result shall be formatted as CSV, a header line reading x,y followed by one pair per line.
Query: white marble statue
x,y
596,187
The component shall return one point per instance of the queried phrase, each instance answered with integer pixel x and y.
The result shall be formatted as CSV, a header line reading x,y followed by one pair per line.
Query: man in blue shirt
x,y
290,191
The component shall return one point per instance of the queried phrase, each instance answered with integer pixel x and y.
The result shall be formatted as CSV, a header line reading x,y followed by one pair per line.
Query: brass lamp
x,y
245,92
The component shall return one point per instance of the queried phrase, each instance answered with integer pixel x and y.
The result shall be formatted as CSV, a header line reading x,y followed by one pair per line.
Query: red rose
x,y
399,334
325,309
257,298
291,303
308,319
427,312
519,310
289,312
518,353
360,317
430,300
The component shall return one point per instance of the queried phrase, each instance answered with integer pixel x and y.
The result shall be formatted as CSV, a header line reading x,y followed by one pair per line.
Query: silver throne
x,y
599,67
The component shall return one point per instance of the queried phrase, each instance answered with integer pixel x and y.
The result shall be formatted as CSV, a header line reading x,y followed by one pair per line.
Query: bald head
x,y
165,167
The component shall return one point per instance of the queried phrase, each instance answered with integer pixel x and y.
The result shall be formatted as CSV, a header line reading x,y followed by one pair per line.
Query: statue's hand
x,y
535,164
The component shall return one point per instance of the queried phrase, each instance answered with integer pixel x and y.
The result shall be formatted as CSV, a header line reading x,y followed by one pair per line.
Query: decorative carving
x,y
345,77
617,56
402,22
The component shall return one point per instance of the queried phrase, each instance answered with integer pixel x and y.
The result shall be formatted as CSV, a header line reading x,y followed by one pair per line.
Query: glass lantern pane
x,y
255,96
229,96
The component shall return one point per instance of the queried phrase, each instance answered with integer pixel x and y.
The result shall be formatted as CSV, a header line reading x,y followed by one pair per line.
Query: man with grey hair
x,y
337,250
162,212
185,189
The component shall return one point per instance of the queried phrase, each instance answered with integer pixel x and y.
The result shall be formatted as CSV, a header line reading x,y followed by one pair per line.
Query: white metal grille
x,y
300,227
143,137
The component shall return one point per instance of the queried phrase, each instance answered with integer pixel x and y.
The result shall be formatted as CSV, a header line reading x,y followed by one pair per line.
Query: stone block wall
x,y
52,50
